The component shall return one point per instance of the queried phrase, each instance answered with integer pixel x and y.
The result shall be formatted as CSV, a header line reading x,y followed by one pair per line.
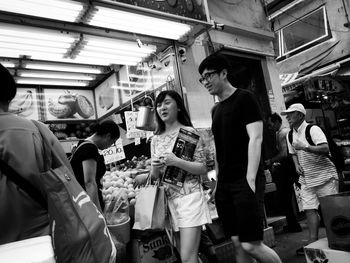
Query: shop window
x,y
303,33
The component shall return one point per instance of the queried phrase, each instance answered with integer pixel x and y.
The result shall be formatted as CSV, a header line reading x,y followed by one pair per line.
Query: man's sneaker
x,y
300,251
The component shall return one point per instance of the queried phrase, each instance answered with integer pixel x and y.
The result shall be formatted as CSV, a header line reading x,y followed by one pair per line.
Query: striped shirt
x,y
318,168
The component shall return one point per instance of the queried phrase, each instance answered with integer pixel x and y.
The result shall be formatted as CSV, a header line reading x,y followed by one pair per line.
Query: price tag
x,y
114,153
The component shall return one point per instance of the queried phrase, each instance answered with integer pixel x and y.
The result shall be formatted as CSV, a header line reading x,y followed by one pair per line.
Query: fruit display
x,y
80,130
22,104
122,178
69,104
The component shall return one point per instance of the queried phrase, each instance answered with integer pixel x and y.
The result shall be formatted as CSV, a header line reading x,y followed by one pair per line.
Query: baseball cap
x,y
295,107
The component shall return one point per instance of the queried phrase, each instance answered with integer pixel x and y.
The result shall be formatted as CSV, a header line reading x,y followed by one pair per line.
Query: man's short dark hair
x,y
275,117
7,85
215,61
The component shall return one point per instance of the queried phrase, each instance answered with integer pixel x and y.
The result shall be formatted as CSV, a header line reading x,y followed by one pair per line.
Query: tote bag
x,y
79,231
150,208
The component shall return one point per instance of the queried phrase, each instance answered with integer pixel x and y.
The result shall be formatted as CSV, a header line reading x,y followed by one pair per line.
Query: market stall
x,y
82,62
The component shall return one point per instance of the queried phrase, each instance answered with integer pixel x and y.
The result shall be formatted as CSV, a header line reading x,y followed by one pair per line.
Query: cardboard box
x,y
320,252
154,249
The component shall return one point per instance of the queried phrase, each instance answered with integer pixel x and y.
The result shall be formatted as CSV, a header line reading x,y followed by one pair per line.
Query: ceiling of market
x,y
79,43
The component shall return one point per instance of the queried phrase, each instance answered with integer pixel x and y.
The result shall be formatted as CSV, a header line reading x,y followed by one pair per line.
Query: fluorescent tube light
x,y
52,82
137,52
53,75
25,48
62,67
118,45
131,57
53,9
34,42
97,61
36,33
141,24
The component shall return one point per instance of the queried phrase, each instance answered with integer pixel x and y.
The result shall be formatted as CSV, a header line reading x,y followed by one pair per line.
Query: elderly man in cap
x,y
317,172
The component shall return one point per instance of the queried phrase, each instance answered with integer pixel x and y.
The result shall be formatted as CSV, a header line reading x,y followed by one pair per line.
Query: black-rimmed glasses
x,y
207,76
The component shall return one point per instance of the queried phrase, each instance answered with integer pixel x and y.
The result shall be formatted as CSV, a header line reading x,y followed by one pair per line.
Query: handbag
x,y
150,207
79,231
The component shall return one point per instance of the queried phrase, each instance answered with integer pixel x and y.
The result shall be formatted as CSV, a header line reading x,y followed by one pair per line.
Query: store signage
x,y
107,97
155,249
114,153
130,120
321,86
26,104
69,104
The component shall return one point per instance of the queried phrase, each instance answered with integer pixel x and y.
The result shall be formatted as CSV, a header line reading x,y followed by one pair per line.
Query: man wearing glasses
x,y
237,127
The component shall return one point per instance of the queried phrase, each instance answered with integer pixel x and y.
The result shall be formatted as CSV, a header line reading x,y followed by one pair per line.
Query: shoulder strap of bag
x,y
76,149
290,136
308,134
22,183
50,155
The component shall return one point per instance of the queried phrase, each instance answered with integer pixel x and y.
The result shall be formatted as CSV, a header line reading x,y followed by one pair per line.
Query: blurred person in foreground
x,y
88,164
283,172
238,130
317,173
21,147
188,207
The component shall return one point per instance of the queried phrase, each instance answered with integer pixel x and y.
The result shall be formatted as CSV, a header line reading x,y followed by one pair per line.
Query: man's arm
x,y
298,167
320,140
317,149
255,133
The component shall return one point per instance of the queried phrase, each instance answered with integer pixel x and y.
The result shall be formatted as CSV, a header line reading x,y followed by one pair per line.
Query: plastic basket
x,y
121,231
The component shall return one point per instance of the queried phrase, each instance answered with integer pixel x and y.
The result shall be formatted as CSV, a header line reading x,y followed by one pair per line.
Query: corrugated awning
x,y
334,69
344,72
288,78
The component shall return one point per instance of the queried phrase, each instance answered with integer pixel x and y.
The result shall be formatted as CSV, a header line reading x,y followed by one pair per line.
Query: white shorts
x,y
310,195
189,211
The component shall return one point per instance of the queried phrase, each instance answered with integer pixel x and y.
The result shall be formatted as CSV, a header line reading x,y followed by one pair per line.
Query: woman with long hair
x,y
188,207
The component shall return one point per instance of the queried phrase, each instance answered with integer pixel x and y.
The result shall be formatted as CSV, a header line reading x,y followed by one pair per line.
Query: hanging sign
x,y
130,121
114,153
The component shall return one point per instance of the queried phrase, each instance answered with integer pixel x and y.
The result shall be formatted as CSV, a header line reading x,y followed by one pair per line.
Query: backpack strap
x,y
308,134
23,183
290,136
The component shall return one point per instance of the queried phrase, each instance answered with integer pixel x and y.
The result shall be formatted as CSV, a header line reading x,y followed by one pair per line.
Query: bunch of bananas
x,y
22,104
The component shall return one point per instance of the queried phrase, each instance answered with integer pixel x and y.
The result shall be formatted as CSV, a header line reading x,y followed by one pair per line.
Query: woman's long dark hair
x,y
182,115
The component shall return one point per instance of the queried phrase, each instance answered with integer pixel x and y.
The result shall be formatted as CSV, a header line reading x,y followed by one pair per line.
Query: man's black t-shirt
x,y
86,152
230,118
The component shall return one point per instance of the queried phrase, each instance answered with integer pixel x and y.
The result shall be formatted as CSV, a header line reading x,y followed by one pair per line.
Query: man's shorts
x,y
240,209
310,195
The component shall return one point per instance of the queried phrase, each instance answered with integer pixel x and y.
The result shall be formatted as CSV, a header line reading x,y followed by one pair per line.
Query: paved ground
x,y
287,244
